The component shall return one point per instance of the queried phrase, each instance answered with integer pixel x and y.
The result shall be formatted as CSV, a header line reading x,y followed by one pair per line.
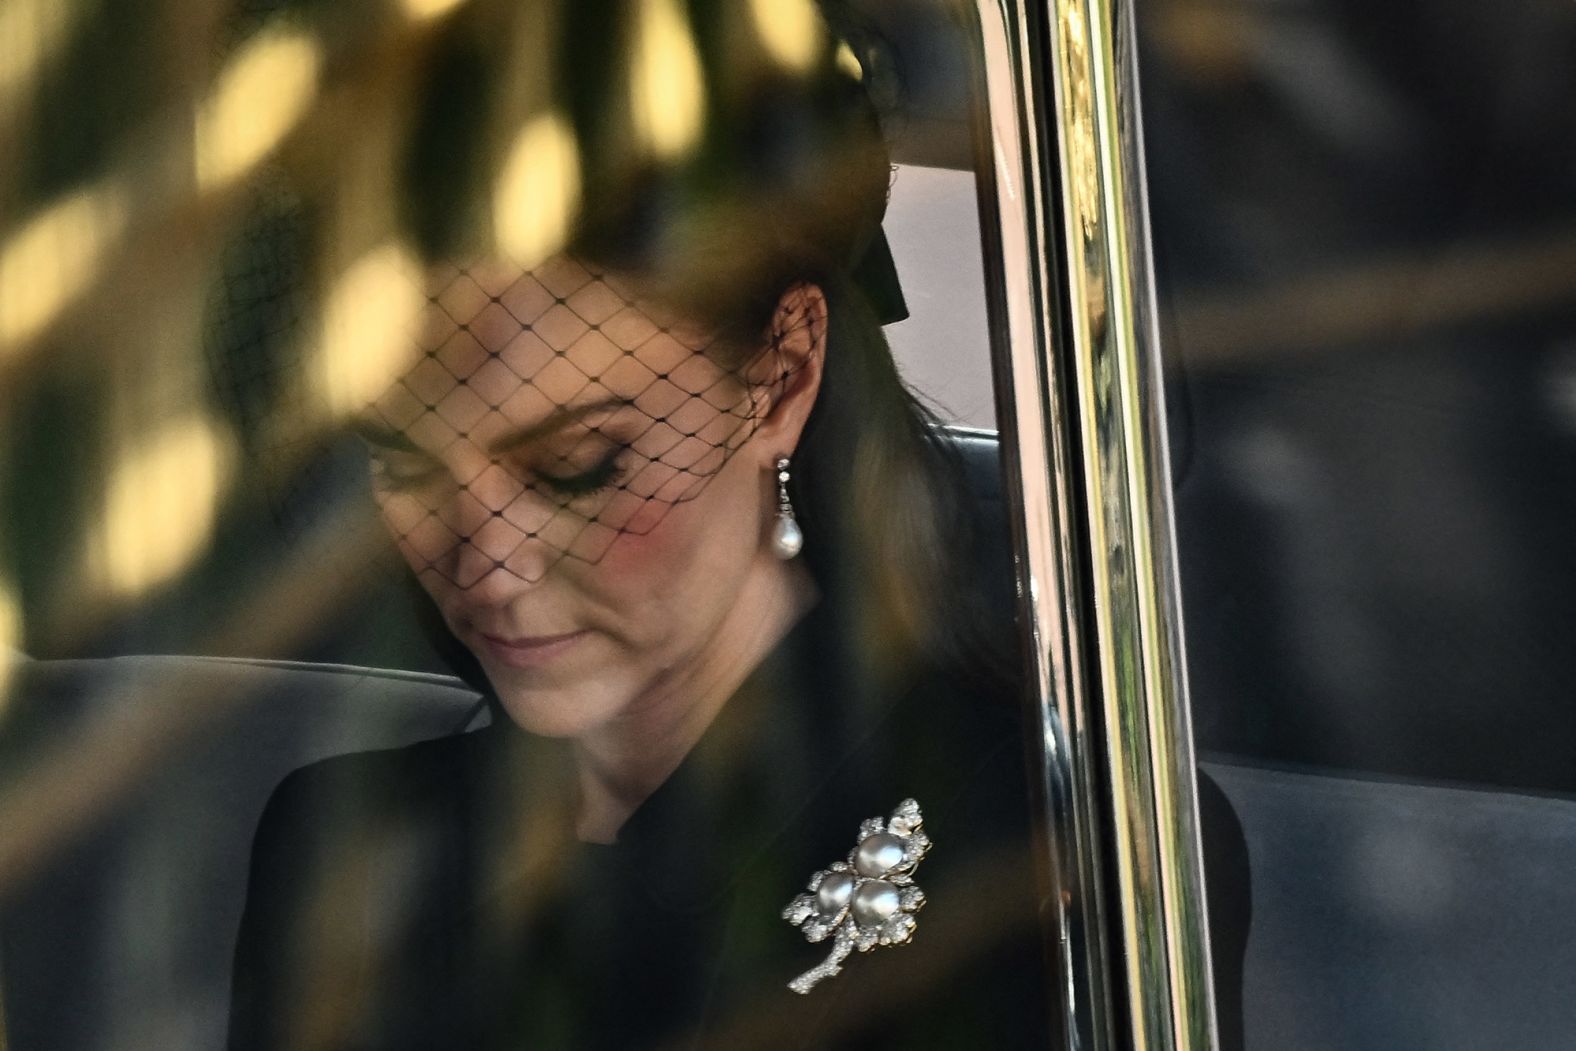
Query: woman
x,y
679,521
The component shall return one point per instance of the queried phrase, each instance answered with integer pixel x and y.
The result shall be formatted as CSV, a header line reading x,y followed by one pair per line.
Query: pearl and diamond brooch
x,y
867,900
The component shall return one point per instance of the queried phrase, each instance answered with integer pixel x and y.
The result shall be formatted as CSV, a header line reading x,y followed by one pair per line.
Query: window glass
x,y
472,573
1363,226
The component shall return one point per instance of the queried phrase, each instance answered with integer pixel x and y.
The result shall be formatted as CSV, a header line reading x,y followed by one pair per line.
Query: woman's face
x,y
579,487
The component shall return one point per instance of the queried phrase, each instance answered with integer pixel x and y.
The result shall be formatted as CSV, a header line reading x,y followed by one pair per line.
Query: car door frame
x,y
1075,349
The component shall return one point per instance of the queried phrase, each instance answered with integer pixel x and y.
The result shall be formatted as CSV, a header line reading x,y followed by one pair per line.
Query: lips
x,y
530,651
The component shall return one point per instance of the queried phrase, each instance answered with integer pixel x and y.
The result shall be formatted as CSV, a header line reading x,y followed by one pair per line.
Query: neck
x,y
619,766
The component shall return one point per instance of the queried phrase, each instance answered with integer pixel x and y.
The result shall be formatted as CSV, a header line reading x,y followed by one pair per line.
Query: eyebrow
x,y
380,434
556,420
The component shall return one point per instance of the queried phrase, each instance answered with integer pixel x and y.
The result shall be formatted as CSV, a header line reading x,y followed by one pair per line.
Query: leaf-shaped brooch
x,y
867,900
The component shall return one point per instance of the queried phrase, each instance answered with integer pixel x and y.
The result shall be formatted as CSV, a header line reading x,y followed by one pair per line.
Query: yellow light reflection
x,y
789,31
10,639
538,191
849,62
667,88
259,97
31,32
368,330
45,266
426,10
162,501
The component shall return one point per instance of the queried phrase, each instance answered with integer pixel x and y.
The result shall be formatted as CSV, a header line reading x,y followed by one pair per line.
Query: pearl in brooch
x,y
875,902
831,897
878,855
867,900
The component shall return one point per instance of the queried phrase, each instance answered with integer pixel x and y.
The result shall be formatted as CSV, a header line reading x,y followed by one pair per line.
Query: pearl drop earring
x,y
787,537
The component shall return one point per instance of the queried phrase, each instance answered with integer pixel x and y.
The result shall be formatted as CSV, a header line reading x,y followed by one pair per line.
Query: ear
x,y
789,372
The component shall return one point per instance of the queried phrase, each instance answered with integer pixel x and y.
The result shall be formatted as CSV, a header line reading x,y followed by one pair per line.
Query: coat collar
x,y
778,775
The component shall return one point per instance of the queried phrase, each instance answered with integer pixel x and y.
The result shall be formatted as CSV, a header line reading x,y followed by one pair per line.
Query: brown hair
x,y
788,184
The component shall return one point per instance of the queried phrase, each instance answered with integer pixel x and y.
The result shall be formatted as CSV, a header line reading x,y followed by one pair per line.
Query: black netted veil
x,y
547,409
549,412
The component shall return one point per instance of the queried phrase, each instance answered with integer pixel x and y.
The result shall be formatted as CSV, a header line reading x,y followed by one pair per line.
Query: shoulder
x,y
346,801
354,816
387,778
349,856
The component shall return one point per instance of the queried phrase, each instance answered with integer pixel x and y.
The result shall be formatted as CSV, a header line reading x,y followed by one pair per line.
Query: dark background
x,y
1365,234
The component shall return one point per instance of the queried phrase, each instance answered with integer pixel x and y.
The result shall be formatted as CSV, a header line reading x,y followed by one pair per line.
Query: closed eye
x,y
605,473
402,470
397,461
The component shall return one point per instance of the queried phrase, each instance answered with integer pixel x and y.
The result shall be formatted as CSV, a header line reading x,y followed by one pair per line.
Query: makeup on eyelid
x,y
399,470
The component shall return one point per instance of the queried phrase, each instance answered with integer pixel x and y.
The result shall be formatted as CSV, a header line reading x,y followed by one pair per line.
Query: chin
x,y
561,711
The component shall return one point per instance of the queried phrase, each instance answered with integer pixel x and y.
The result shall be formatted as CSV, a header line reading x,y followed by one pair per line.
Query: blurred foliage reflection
x,y
206,248
214,247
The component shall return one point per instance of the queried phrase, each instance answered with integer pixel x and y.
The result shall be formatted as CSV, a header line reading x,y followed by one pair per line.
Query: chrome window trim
x,y
1021,297
1080,401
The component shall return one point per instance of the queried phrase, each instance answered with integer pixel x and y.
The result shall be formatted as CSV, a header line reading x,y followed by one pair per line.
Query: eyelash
x,y
602,475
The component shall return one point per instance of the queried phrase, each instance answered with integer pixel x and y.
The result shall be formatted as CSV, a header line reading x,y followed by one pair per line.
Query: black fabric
x,y
395,902
433,896
387,907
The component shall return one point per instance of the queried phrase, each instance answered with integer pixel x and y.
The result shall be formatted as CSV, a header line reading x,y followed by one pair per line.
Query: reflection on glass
x,y
1364,231
259,97
416,423
47,263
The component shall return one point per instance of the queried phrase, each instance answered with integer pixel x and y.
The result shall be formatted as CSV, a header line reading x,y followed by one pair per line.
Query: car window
x,y
1362,227
507,536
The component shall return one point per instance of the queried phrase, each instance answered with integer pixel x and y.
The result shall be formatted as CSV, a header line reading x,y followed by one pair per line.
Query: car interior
x,y
1373,432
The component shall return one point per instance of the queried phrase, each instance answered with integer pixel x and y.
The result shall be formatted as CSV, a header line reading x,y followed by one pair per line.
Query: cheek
x,y
691,553
663,545
416,532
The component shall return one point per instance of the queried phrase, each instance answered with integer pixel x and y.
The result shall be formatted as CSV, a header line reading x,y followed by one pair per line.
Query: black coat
x,y
432,897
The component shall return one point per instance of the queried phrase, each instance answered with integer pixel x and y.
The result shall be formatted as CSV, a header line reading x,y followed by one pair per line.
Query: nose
x,y
495,546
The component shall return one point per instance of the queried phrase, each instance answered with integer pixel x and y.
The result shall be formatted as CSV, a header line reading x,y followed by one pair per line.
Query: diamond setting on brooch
x,y
868,899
